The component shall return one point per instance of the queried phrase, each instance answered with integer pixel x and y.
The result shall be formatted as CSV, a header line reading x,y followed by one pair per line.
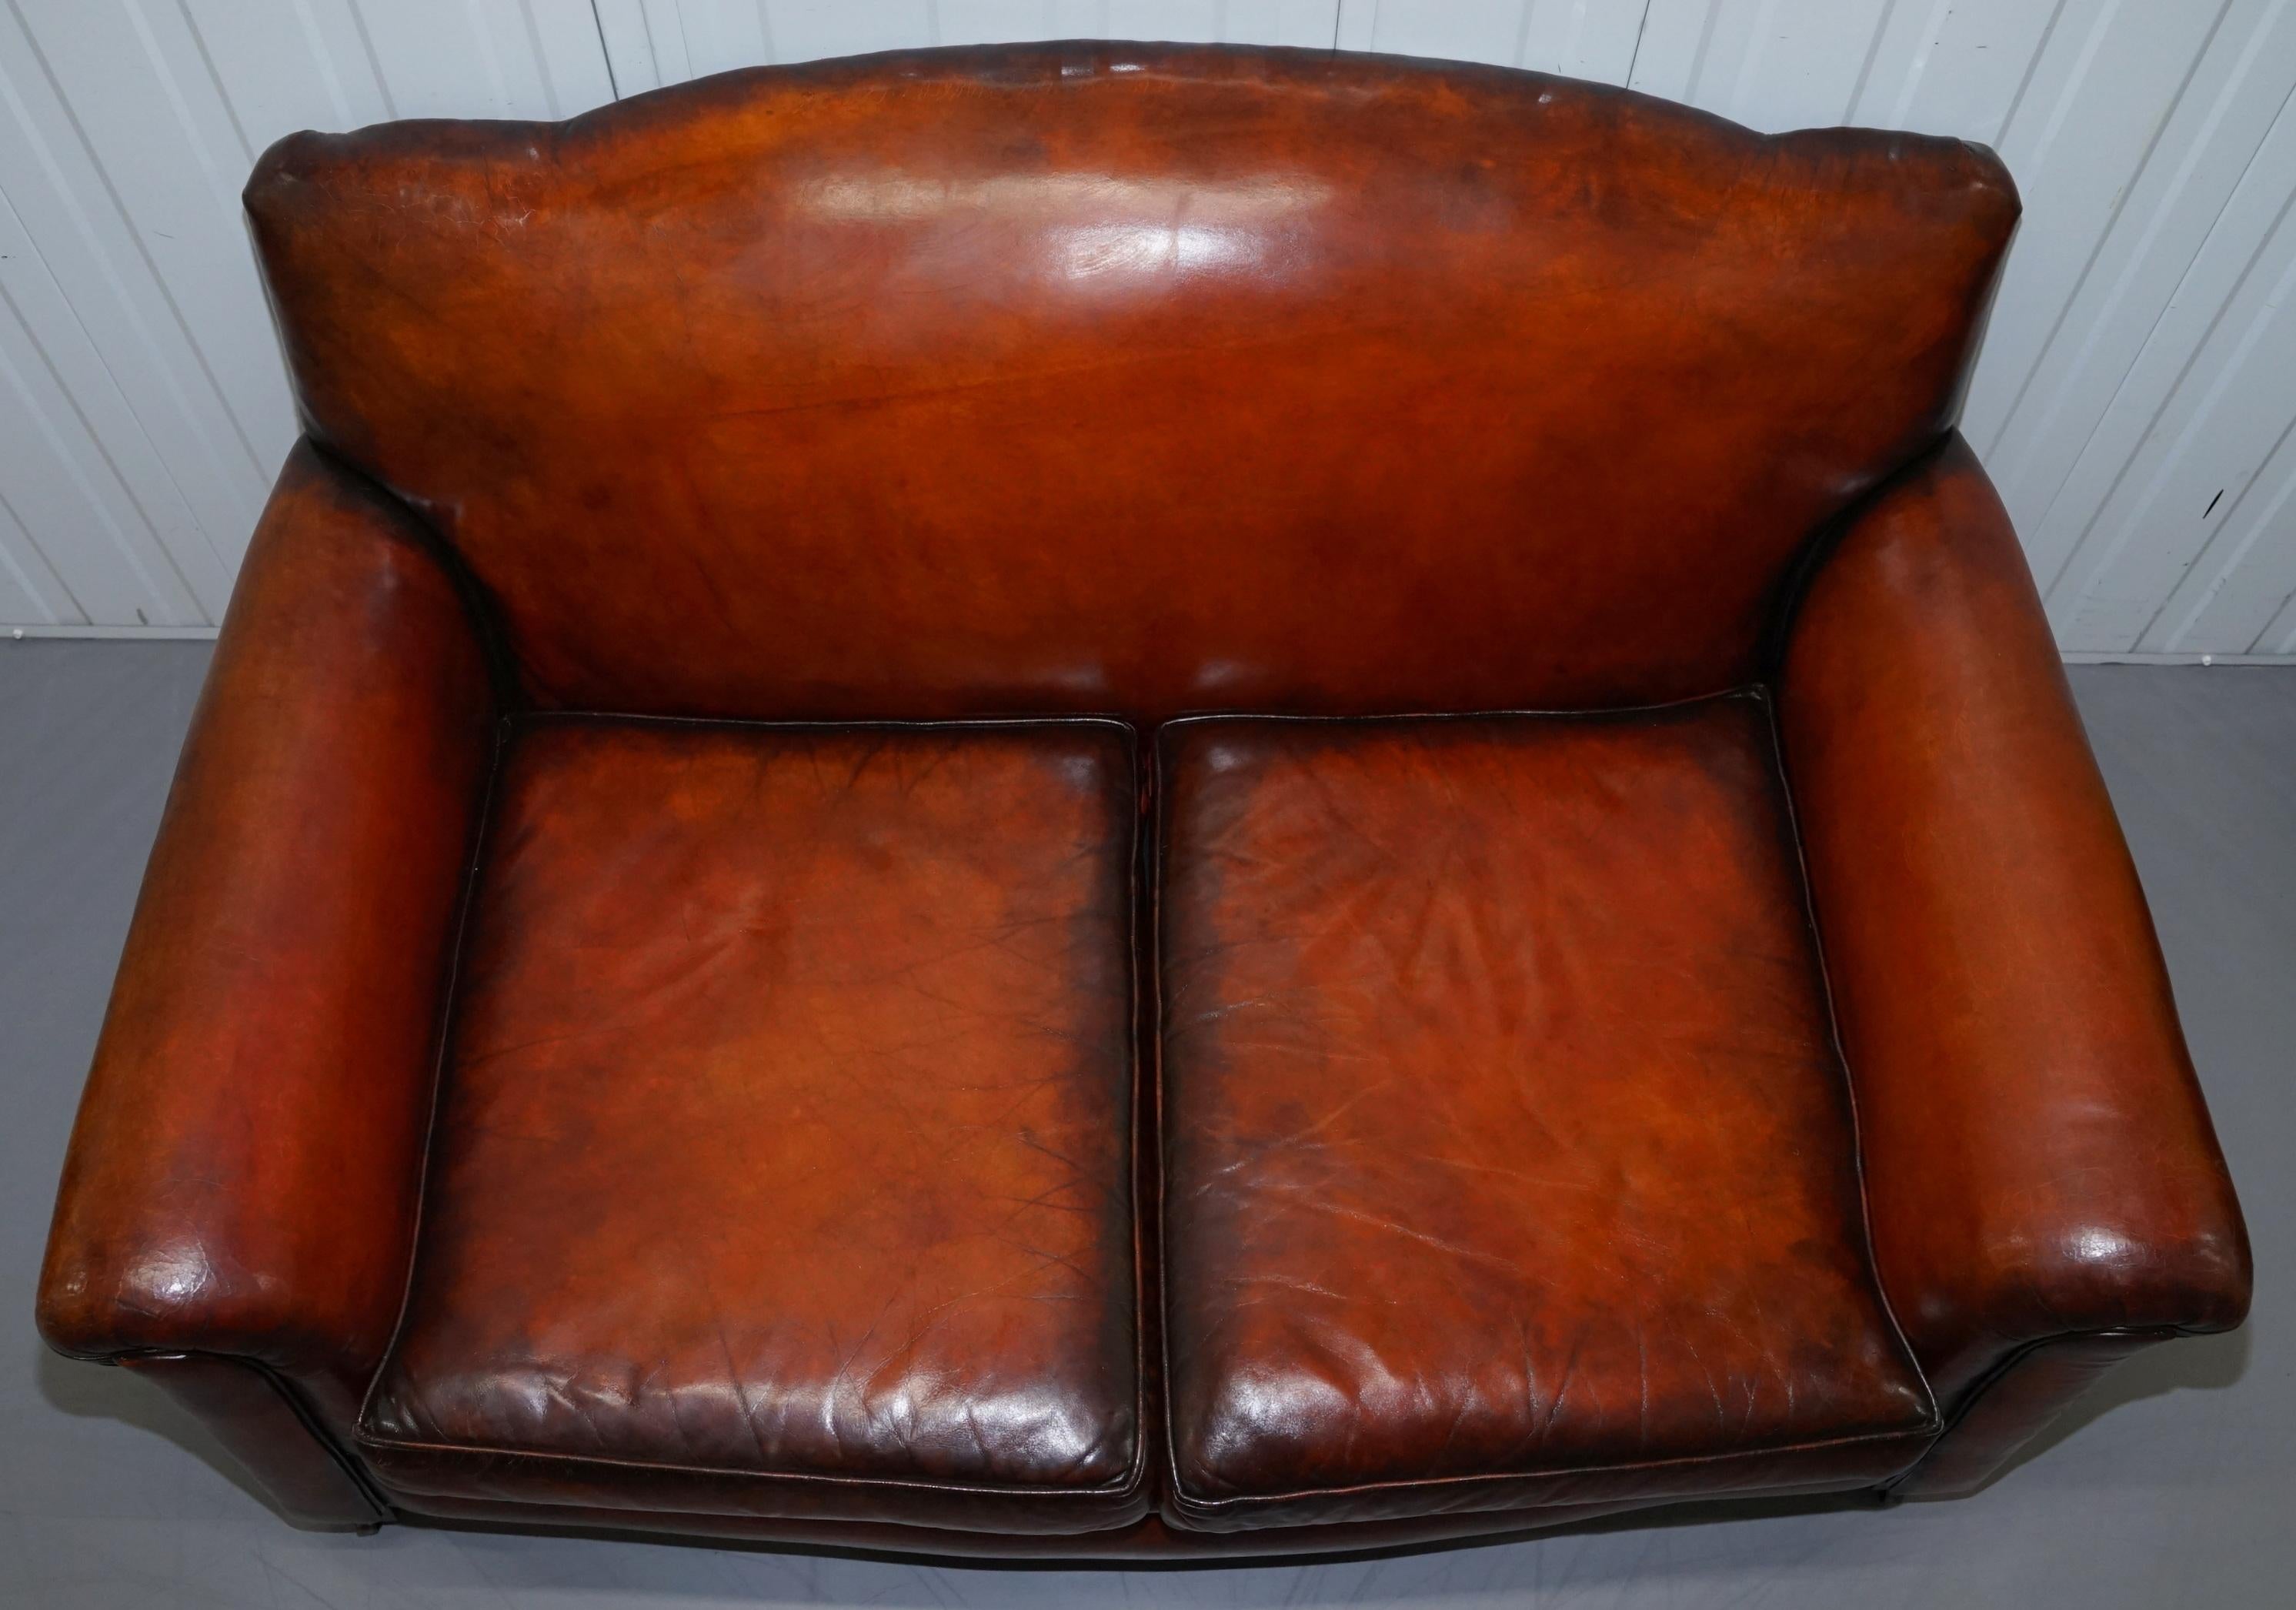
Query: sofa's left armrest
x,y
243,1179
2044,1186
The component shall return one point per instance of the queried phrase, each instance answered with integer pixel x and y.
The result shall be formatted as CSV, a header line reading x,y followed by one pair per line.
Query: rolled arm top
x,y
243,1175
2038,1161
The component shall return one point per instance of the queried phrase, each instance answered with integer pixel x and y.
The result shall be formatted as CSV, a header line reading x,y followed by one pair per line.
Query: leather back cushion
x,y
1131,380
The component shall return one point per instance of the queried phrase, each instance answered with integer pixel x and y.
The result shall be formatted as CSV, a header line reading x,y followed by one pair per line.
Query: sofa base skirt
x,y
1149,1540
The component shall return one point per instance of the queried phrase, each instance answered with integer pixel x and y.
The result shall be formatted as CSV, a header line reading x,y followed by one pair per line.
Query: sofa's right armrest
x,y
2043,1185
241,1182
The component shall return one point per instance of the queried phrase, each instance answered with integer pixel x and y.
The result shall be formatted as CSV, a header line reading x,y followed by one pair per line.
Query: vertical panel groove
x,y
62,452
2169,393
126,126
373,60
2130,525
1698,57
2025,83
194,142
1749,64
1641,28
135,238
613,78
541,56
2112,219
165,470
482,43
1873,54
103,451
2082,64
2262,526
2123,283
215,80
25,583
1910,87
321,63
159,367
2287,642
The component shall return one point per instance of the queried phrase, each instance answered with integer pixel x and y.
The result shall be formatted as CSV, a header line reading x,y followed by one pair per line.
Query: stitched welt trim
x,y
1124,1486
1159,838
1840,1054
2015,1359
956,724
361,1482
449,987
1166,738
1126,823
1139,768
1139,940
1916,1433
1608,712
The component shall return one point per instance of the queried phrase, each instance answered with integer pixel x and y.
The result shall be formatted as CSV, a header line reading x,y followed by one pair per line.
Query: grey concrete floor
x,y
2177,1484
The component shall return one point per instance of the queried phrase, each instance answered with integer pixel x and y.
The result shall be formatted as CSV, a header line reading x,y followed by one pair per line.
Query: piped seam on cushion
x,y
1924,1431
366,1437
1120,1486
1840,1056
1921,1433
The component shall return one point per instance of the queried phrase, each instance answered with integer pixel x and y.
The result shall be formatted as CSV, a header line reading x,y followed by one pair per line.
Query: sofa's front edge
x,y
238,1202
2045,1190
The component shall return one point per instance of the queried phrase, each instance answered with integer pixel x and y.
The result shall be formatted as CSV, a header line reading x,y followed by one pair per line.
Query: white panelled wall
x,y
2135,401
143,411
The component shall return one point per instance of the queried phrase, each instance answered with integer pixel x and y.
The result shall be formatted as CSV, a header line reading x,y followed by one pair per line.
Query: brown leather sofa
x,y
1106,800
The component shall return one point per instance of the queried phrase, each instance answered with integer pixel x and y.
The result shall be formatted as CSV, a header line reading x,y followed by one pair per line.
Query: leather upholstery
x,y
263,1422
783,1165
934,340
242,1177
718,499
1507,1158
2038,1157
1151,1538
2026,1391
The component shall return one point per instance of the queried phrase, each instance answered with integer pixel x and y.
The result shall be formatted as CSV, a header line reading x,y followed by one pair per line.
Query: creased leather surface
x,y
1507,1158
782,1163
1073,377
2039,1154
784,1183
242,1176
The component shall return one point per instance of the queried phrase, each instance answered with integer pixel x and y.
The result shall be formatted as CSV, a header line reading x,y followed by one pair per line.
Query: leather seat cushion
x,y
781,1160
1508,1156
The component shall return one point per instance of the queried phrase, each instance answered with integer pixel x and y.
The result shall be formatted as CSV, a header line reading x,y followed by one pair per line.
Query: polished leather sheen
x,y
784,1148
1507,1158
692,981
262,1422
2039,1160
242,1177
937,342
2031,1387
